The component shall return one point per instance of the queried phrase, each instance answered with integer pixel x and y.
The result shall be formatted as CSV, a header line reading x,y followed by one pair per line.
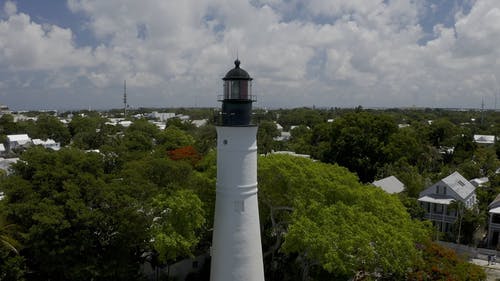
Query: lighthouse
x,y
236,246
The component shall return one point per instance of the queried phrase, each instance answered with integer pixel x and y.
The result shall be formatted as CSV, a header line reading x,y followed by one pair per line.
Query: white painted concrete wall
x,y
236,247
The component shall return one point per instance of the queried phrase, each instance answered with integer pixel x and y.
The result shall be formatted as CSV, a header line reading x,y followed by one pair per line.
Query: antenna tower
x,y
482,112
124,98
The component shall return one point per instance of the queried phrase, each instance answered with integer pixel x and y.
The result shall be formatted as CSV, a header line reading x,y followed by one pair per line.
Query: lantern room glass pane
x,y
237,89
226,89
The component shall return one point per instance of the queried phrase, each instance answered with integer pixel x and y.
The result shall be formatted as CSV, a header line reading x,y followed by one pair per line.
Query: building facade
x,y
437,200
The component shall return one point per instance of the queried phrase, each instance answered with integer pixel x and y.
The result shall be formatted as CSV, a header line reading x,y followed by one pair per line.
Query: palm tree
x,y
459,207
6,239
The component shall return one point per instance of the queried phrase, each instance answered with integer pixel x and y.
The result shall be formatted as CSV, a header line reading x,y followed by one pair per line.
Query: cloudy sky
x,y
326,53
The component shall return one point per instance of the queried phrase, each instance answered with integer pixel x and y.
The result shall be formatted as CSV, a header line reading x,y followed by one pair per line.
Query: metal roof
x,y
494,210
20,137
237,73
436,200
459,184
484,139
390,185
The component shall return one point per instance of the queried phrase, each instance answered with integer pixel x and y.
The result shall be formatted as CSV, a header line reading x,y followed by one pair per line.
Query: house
x,y
390,185
284,136
161,116
484,139
2,149
480,182
15,141
291,153
436,200
160,125
200,123
494,222
4,110
6,163
49,143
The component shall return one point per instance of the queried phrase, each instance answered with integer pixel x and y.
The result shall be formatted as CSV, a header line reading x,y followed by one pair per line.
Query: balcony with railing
x,y
441,217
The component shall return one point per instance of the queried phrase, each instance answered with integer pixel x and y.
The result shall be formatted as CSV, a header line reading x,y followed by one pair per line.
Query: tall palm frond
x,y
6,239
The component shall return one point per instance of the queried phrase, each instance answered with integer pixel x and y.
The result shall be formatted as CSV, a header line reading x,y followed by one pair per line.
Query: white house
x,y
4,110
6,163
2,149
436,200
161,116
200,123
494,222
390,185
484,139
49,143
479,182
160,125
14,141
291,153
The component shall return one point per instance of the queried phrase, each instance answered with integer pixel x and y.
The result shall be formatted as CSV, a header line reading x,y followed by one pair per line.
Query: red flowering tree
x,y
187,153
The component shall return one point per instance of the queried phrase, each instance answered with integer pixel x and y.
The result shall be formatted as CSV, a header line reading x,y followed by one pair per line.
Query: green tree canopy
x,y
49,127
357,142
335,222
78,224
173,137
178,218
265,136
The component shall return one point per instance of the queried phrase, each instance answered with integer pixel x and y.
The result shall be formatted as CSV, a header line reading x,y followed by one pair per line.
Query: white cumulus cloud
x,y
322,52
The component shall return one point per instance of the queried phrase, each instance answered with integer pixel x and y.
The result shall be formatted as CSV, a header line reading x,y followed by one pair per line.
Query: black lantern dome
x,y
237,99
237,73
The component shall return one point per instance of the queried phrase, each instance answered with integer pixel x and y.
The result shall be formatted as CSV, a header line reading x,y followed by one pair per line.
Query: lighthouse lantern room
x,y
237,99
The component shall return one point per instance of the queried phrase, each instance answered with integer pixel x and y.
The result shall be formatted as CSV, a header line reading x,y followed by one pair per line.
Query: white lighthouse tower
x,y
236,247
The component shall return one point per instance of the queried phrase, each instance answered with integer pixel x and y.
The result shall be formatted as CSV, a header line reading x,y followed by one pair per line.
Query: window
x,y
444,190
438,208
496,218
461,183
239,206
237,89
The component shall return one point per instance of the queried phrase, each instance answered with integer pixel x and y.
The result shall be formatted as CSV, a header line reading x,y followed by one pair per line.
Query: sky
x,y
76,54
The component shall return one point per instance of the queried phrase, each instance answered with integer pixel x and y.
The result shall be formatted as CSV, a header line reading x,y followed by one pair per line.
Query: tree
x,y
7,240
205,138
300,116
265,136
441,132
49,127
88,132
145,127
440,263
357,142
7,125
335,223
187,153
178,219
79,224
300,139
464,149
404,144
173,137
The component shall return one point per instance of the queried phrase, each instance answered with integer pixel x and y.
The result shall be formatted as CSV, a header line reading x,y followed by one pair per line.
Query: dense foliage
x,y
336,223
146,196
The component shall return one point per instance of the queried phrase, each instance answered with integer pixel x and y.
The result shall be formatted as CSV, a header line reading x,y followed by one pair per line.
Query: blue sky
x,y
329,53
